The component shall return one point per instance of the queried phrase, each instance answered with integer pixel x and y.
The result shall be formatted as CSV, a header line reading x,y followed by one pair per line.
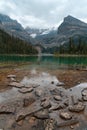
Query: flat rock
x,y
58,98
7,109
26,90
33,108
65,115
59,106
11,76
77,108
68,122
42,114
15,84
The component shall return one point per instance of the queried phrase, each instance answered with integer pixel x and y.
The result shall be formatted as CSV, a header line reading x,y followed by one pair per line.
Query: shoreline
x,y
45,54
38,101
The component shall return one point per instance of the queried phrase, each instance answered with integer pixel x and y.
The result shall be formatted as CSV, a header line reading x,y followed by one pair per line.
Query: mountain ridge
x,y
47,38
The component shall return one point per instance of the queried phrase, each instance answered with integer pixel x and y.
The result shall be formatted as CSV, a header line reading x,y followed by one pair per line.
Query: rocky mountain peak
x,y
72,20
4,18
71,23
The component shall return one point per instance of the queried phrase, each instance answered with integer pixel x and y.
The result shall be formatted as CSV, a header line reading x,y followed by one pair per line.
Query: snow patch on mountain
x,y
33,35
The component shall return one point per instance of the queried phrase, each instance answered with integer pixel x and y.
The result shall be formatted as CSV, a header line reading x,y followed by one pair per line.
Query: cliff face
x,y
72,25
14,28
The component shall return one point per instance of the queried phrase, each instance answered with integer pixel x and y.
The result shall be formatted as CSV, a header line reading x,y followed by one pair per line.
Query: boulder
x,y
17,85
65,115
25,90
77,108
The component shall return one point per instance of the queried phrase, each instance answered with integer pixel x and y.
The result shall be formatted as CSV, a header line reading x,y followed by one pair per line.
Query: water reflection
x,y
47,61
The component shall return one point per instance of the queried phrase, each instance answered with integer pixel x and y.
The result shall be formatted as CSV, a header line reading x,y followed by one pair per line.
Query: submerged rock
x,y
7,109
16,84
84,92
11,76
39,92
58,98
28,101
33,108
13,79
53,107
46,104
65,115
60,84
77,108
74,99
42,114
50,124
84,98
68,122
26,90
20,123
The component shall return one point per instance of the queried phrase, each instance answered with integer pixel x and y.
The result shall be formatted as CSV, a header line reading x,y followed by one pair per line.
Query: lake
x,y
50,62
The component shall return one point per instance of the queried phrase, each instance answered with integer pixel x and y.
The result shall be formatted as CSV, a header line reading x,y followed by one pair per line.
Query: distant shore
x,y
46,54
70,55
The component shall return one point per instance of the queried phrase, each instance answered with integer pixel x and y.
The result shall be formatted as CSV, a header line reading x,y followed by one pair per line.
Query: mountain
x,y
13,45
48,39
70,28
44,36
14,28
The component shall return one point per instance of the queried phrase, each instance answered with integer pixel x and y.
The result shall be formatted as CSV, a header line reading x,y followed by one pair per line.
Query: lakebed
x,y
49,98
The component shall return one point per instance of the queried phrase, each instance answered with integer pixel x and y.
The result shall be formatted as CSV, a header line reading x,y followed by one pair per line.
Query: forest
x,y
14,45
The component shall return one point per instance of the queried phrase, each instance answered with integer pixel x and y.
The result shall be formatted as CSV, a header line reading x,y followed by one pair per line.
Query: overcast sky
x,y
43,13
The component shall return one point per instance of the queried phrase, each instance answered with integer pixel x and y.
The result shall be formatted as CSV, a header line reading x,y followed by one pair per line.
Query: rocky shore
x,y
40,102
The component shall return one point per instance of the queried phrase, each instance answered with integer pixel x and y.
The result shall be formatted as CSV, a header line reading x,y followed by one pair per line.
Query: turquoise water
x,y
46,61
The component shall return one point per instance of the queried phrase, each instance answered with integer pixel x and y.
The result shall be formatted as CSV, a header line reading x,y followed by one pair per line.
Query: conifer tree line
x,y
73,47
12,45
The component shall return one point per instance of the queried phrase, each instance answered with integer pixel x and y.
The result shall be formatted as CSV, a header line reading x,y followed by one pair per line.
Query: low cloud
x,y
43,13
